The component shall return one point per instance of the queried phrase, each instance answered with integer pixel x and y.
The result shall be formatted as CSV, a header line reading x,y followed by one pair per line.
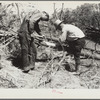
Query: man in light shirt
x,y
75,39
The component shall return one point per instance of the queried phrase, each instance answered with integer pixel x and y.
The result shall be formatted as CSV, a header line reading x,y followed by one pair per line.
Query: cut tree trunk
x,y
91,50
90,45
90,54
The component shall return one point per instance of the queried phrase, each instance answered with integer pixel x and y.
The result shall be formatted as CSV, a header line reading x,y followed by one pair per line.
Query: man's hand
x,y
43,36
49,44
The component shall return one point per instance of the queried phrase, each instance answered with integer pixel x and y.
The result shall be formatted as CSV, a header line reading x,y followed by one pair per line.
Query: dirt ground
x,y
50,73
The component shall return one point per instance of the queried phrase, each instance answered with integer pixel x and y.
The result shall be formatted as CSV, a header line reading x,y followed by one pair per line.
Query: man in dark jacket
x,y
28,26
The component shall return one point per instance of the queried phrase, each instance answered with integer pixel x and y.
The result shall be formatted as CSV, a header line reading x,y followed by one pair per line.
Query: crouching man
x,y
75,39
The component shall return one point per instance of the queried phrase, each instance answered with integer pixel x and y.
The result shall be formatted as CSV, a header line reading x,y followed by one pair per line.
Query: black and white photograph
x,y
50,45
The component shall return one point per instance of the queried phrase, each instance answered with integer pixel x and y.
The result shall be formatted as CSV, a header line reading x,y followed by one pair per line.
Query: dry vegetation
x,y
52,65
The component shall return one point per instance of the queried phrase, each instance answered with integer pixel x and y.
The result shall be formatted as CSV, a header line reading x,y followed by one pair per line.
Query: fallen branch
x,y
90,54
18,12
92,50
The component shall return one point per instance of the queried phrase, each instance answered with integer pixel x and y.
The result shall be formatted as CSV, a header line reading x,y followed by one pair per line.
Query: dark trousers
x,y
29,56
75,48
28,51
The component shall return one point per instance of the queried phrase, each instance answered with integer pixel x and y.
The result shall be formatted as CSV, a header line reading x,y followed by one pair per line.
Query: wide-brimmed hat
x,y
57,22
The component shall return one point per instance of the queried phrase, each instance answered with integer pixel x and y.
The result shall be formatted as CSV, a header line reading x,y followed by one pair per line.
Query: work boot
x,y
32,67
76,71
26,69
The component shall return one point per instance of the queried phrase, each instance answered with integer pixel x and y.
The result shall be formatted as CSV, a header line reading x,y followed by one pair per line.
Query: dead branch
x,y
90,54
92,50
18,12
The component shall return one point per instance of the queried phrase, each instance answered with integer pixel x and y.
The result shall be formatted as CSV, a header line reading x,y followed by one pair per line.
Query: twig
x,y
18,12
8,39
64,54
44,70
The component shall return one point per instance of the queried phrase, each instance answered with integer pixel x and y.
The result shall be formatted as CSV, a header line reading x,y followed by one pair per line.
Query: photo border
x,y
52,96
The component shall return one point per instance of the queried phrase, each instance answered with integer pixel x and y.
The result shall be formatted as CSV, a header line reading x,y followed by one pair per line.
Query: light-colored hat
x,y
57,22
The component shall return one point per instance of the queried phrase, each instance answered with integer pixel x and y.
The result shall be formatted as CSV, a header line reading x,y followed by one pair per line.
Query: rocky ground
x,y
51,73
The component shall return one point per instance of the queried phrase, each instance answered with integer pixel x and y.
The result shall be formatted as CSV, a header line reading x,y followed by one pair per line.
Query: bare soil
x,y
48,73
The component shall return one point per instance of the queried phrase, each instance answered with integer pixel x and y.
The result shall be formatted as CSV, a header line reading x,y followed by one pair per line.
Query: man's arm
x,y
35,16
53,39
33,22
63,36
37,28
61,39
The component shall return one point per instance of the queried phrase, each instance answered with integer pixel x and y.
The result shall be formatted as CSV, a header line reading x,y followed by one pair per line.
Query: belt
x,y
81,38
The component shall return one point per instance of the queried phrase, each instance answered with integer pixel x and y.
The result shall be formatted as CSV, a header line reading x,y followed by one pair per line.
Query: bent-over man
x,y
28,26
75,39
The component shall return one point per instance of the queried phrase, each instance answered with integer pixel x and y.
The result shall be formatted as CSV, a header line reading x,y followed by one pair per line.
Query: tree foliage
x,y
83,16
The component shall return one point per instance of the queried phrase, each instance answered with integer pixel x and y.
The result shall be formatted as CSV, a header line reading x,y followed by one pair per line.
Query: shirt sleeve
x,y
63,36
36,16
33,20
37,28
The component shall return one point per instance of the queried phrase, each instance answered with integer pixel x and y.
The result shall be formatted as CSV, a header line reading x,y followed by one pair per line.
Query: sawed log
x,y
90,54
